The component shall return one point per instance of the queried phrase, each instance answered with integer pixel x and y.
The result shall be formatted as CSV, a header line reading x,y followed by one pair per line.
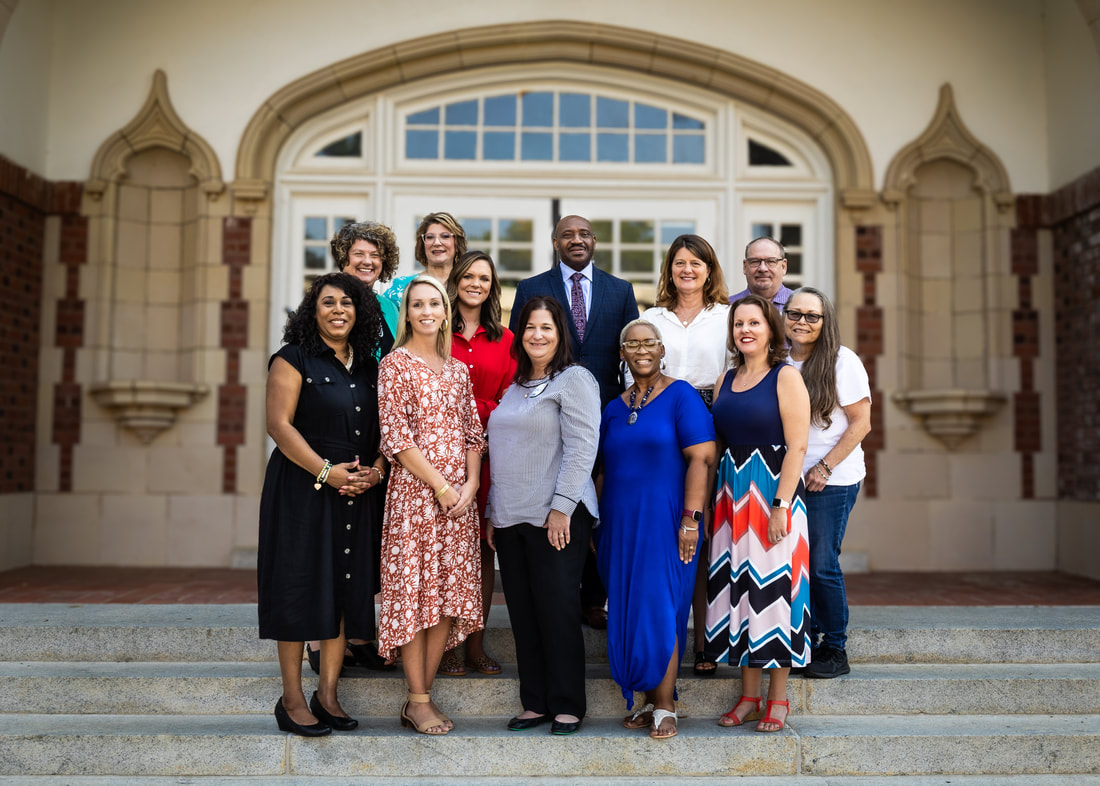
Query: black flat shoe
x,y
523,724
562,728
327,718
286,724
367,655
314,658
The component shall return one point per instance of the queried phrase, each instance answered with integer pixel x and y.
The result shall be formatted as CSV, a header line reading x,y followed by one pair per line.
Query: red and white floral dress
x,y
431,563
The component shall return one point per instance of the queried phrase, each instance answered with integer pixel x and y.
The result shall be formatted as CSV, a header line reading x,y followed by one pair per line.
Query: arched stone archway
x,y
556,41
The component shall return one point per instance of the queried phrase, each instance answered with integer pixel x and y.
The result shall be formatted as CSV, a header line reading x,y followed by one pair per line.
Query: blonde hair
x,y
443,337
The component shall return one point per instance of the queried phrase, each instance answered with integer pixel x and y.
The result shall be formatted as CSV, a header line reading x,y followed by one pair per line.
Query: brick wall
x,y
236,252
869,342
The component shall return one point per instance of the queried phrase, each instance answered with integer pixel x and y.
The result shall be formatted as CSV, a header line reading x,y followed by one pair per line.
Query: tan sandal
x,y
431,723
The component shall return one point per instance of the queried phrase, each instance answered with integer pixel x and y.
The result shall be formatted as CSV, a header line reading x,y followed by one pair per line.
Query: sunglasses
x,y
796,316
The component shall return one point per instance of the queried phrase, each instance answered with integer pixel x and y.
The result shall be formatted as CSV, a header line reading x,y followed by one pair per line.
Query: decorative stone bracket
x,y
950,415
145,407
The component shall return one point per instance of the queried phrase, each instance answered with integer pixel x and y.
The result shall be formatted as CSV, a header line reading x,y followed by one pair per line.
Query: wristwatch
x,y
694,515
782,504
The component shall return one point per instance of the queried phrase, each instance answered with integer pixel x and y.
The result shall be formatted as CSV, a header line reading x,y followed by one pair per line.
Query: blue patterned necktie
x,y
577,300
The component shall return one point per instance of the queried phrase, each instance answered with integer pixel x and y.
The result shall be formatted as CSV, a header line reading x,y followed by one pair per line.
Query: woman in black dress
x,y
314,572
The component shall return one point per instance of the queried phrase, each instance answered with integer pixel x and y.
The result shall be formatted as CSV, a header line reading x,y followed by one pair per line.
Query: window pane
x,y
762,155
763,230
790,234
538,109
460,145
350,146
612,147
537,146
575,111
636,232
339,222
499,146
794,264
612,113
602,260
670,230
516,230
429,117
478,230
683,121
316,228
636,261
514,259
422,144
315,258
464,113
603,231
575,147
687,149
646,116
500,111
650,148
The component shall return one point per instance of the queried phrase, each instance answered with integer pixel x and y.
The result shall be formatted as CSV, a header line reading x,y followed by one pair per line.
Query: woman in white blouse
x,y
691,313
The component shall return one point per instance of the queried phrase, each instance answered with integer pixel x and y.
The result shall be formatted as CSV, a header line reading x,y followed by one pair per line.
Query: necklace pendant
x,y
630,421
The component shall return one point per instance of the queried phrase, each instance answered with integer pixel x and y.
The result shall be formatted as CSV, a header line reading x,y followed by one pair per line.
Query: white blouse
x,y
697,353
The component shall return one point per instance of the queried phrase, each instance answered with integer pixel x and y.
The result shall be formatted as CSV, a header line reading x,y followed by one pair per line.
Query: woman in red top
x,y
484,345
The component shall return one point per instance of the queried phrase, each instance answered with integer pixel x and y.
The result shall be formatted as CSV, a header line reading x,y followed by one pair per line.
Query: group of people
x,y
705,456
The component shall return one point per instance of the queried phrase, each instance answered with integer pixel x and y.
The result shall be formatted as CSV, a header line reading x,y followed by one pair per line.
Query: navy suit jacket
x,y
613,307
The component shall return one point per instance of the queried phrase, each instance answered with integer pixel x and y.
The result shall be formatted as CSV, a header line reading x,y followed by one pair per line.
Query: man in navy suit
x,y
598,306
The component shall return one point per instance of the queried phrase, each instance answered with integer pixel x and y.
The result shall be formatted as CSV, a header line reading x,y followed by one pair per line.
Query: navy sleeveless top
x,y
752,416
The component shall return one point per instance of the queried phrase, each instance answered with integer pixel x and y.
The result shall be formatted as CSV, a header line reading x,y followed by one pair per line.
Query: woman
x,y
757,594
440,240
485,346
657,444
369,252
542,507
314,572
431,563
691,315
840,417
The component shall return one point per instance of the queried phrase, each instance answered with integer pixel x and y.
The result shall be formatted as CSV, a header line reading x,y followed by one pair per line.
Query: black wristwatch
x,y
782,504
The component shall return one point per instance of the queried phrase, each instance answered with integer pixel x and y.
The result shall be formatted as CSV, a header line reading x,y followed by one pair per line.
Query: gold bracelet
x,y
446,487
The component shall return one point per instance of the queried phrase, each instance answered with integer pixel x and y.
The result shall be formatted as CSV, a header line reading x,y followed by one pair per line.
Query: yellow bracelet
x,y
446,487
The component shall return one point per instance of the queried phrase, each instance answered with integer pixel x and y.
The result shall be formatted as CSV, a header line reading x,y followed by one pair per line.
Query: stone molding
x,y
948,137
146,407
156,125
951,416
608,46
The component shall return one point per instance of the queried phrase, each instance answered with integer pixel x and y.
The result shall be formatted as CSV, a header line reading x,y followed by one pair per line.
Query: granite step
x,y
672,780
251,688
227,633
822,746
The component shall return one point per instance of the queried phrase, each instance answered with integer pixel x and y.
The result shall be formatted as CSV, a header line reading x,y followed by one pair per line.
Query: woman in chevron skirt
x,y
757,583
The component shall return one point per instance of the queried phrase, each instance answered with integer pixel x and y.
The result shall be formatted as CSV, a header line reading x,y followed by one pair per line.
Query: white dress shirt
x,y
697,353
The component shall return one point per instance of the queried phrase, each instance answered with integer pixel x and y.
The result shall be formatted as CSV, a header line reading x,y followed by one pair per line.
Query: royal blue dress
x,y
648,588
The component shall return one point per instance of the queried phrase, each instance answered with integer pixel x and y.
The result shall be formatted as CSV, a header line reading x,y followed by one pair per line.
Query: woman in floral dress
x,y
431,566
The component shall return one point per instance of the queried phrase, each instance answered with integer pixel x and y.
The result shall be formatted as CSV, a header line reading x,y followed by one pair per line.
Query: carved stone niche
x,y
951,416
147,407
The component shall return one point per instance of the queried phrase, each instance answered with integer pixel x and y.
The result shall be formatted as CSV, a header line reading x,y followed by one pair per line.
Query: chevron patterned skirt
x,y
758,594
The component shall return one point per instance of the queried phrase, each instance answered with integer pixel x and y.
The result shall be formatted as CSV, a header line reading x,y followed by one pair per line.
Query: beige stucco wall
x,y
25,44
223,59
1073,92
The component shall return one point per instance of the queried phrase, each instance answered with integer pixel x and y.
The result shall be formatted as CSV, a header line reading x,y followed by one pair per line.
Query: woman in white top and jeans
x,y
691,312
840,417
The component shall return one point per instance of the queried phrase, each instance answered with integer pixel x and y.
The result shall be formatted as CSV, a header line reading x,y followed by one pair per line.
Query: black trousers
x,y
540,588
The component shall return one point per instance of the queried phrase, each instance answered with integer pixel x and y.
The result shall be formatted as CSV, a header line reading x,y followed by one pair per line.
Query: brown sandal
x,y
639,719
450,665
483,664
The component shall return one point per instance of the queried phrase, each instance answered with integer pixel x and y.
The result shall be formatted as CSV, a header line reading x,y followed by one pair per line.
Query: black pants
x,y
540,587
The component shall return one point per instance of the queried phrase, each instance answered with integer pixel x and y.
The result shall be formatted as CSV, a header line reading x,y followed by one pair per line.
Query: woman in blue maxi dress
x,y
657,443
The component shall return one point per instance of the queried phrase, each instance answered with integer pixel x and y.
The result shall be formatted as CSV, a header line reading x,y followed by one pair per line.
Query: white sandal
x,y
636,720
658,717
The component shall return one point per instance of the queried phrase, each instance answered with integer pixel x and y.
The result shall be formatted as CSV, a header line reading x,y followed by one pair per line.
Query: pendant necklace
x,y
633,418
538,389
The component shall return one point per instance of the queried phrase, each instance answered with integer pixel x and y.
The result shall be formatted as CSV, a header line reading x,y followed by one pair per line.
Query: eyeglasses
x,y
633,345
797,316
442,237
754,262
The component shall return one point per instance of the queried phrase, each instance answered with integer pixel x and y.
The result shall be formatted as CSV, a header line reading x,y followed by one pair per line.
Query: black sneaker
x,y
827,664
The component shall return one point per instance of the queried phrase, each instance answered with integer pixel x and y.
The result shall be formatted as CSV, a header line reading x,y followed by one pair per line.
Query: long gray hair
x,y
819,369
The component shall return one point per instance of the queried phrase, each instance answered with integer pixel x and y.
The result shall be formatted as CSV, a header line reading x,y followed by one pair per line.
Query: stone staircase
x,y
183,694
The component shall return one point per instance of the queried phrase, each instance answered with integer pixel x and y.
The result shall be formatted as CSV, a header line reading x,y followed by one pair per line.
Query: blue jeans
x,y
827,518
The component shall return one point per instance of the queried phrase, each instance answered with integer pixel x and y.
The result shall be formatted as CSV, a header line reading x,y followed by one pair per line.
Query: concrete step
x,y
244,688
784,780
877,634
822,746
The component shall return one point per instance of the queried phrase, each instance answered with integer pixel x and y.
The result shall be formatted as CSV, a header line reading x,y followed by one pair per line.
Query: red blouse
x,y
491,369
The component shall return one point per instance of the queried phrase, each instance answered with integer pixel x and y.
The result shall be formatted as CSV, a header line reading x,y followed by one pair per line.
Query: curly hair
x,y
714,290
777,345
379,234
448,222
819,369
301,326
490,309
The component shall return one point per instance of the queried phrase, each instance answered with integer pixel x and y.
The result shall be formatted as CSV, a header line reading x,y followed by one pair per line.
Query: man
x,y
764,266
597,307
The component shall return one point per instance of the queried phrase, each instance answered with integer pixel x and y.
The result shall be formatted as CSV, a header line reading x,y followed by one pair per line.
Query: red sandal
x,y
768,716
730,718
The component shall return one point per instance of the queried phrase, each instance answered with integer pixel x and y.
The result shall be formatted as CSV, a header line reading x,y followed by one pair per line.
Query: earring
x,y
622,370
664,364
